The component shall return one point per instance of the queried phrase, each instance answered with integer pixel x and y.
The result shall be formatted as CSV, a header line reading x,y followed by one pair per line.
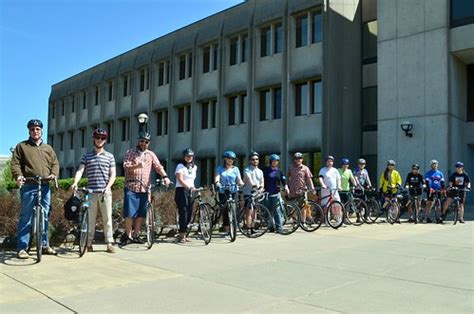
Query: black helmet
x,y
34,122
100,132
188,152
415,166
252,154
144,136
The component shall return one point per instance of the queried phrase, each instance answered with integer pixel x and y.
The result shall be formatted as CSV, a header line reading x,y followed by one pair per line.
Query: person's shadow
x,y
10,258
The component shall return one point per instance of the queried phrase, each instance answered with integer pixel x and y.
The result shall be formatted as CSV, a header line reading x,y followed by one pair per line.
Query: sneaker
x,y
90,248
358,220
137,239
411,220
428,220
461,221
126,240
48,251
110,248
23,254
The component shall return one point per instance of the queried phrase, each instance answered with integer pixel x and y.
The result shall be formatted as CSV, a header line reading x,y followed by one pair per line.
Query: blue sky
x,y
43,42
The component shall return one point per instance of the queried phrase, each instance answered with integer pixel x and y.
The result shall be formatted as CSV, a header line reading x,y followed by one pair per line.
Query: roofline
x,y
153,40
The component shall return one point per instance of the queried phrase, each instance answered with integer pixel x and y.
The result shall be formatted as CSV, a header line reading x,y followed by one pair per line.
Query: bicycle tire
x,y
261,222
290,214
232,222
437,209
355,211
150,226
335,214
39,224
373,211
83,233
314,219
205,223
393,213
415,212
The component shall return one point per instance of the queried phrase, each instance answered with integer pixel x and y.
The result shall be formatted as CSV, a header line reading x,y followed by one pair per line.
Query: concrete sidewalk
x,y
372,268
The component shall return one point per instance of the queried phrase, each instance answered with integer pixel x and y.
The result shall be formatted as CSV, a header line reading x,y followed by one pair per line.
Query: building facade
x,y
278,76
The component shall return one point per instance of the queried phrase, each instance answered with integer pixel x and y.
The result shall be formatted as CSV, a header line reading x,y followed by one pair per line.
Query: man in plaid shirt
x,y
137,164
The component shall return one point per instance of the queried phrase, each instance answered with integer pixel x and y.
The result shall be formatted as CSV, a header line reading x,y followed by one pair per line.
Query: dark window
x,y
147,79
204,169
182,67
278,38
125,86
213,113
470,92
61,141
165,122
190,64
111,89
71,140
302,31
84,99
205,115
369,108
167,72
83,138
161,74
96,95
462,12
265,98
142,80
234,45
62,107
159,123
232,104
301,99
188,118
214,57
317,27
245,48
53,110
125,130
206,58
243,105
277,103
73,103
51,140
181,120
316,97
110,129
265,41
369,42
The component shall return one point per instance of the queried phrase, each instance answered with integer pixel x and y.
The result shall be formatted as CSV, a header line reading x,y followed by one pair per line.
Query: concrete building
x,y
278,76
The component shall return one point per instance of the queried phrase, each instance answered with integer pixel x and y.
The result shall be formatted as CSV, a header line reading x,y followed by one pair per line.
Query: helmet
x,y
345,161
229,154
459,164
252,154
391,162
99,132
144,136
433,161
361,161
274,157
34,122
329,157
415,166
298,155
188,152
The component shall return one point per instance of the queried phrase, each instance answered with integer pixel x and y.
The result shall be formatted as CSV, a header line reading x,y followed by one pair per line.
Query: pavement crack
x,y
40,292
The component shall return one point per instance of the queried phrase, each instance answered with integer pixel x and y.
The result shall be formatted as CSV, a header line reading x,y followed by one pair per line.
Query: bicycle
x,y
314,212
81,230
253,220
205,222
369,196
290,215
333,210
38,216
454,206
393,206
355,209
231,206
436,203
413,200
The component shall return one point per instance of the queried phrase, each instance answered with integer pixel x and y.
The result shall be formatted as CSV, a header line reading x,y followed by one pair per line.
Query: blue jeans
x,y
28,195
274,203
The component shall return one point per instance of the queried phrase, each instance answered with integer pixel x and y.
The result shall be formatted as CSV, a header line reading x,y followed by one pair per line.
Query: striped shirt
x,y
133,176
98,169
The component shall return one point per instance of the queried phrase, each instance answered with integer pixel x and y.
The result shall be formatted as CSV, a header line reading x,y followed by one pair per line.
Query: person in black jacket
x,y
414,185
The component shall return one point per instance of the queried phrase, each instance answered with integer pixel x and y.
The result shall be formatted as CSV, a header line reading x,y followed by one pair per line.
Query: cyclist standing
x,y
330,181
100,170
227,180
435,185
414,185
253,178
362,175
137,165
184,194
299,178
458,179
346,179
31,158
390,178
274,178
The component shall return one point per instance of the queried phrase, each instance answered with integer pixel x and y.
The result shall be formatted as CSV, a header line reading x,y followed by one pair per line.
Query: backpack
x,y
72,208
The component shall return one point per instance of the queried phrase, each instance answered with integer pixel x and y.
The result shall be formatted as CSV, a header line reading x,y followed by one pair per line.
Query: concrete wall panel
x,y
410,17
436,71
387,85
387,14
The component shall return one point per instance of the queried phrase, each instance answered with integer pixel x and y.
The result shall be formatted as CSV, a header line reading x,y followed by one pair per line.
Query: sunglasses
x,y
144,141
391,165
103,138
35,129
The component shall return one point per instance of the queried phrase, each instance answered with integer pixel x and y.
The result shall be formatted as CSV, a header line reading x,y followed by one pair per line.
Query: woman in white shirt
x,y
184,198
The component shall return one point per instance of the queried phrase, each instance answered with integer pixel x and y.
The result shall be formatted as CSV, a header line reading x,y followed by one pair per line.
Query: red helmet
x,y
100,132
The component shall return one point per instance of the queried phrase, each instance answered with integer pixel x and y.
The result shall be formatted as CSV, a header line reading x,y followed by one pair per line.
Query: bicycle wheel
x,y
455,213
205,223
39,224
335,214
355,211
290,217
415,212
437,209
260,221
373,211
392,213
314,217
83,232
150,226
232,222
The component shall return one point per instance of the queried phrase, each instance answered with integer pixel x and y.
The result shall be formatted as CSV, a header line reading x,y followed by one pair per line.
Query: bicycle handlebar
x,y
40,180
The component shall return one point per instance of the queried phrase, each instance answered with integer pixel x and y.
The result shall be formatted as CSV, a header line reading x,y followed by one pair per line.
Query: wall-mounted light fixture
x,y
407,126
142,122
